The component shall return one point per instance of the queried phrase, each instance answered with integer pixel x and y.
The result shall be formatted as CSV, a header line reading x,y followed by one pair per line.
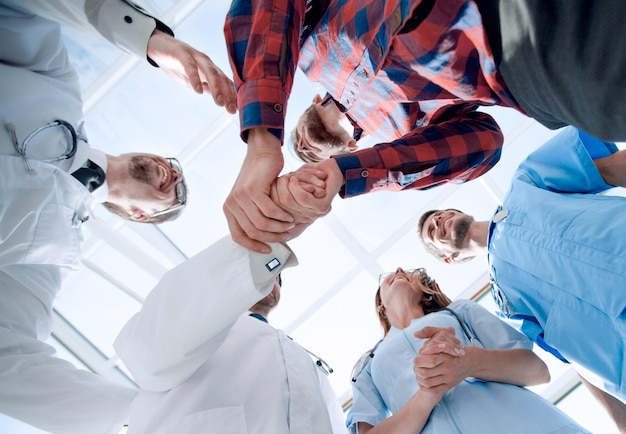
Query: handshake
x,y
265,208
306,194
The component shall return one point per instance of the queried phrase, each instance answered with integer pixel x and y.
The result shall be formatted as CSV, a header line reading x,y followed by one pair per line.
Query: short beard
x,y
140,169
318,132
460,231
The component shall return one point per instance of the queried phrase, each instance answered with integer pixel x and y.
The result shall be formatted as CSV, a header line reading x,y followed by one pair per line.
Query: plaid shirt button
x,y
278,108
365,174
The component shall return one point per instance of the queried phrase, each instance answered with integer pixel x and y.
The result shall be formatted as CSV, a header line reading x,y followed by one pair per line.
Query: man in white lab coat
x,y
42,205
204,365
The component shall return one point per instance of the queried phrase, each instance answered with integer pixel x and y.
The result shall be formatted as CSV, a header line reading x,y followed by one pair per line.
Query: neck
x,y
113,175
260,311
477,236
344,123
407,313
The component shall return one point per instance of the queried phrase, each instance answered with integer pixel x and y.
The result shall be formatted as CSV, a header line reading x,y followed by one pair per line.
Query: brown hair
x,y
318,132
435,301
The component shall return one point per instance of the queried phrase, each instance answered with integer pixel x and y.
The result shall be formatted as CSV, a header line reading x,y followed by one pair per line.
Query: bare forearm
x,y
615,407
613,168
518,366
409,420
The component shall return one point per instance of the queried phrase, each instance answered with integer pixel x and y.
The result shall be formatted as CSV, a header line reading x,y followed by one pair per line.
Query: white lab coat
x,y
40,220
205,366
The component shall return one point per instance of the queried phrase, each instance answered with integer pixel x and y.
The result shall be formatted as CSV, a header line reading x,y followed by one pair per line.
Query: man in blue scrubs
x,y
556,250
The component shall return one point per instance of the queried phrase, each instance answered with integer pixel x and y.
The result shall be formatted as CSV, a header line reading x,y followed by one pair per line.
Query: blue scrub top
x,y
559,256
387,382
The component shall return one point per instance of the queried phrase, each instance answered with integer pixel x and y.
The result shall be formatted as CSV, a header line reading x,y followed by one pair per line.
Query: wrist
x,y
263,144
471,363
425,401
160,31
261,137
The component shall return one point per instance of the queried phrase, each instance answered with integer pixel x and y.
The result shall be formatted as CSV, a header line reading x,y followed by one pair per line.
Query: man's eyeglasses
x,y
410,271
181,190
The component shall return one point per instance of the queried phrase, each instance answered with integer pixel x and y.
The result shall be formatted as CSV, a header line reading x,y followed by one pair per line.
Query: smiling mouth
x,y
165,176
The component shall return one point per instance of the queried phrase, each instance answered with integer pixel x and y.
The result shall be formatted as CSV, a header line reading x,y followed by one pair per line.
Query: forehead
x,y
428,221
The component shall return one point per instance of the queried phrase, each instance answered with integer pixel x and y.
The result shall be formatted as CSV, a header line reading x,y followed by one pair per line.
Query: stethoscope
x,y
70,150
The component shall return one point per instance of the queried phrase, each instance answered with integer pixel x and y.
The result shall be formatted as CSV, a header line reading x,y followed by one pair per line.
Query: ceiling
x,y
327,301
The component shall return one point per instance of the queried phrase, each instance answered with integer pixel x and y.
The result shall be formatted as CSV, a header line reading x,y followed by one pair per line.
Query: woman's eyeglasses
x,y
410,271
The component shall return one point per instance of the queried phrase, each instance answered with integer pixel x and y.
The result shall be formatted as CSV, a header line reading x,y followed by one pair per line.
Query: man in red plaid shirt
x,y
417,70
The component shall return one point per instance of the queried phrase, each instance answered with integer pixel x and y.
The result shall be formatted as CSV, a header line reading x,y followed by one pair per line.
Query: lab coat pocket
x,y
56,240
223,420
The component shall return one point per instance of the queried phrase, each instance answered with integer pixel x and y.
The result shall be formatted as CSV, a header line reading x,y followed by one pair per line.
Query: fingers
x,y
440,340
312,177
429,332
254,235
293,197
222,88
309,204
438,372
439,347
191,72
311,169
240,237
193,68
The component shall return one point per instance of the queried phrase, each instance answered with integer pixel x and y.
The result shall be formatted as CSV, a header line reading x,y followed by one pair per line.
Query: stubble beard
x,y
460,231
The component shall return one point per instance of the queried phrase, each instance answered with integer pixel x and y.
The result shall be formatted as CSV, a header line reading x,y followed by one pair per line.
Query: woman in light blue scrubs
x,y
469,375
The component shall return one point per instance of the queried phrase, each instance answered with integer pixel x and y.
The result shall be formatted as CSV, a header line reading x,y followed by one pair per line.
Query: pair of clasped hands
x,y
441,363
262,207
265,208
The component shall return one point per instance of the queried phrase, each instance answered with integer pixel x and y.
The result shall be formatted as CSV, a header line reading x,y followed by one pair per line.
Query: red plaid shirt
x,y
418,89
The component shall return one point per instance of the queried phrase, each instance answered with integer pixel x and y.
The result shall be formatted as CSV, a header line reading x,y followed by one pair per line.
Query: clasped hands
x,y
441,363
264,208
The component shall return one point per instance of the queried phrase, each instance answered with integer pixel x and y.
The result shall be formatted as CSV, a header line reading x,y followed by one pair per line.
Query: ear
x,y
317,99
453,258
352,146
138,215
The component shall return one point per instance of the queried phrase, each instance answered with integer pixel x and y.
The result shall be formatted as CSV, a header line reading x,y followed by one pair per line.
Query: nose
x,y
437,218
399,270
176,176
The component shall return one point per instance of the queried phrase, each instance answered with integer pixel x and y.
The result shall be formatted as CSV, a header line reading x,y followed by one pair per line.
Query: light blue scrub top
x,y
387,382
560,254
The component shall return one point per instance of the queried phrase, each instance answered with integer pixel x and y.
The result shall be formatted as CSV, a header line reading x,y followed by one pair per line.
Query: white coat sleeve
x,y
124,23
189,313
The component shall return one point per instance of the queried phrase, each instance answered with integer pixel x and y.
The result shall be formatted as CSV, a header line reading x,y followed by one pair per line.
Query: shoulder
x,y
462,304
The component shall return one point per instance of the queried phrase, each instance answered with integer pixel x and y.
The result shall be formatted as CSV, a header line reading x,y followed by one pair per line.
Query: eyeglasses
x,y
410,271
180,188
